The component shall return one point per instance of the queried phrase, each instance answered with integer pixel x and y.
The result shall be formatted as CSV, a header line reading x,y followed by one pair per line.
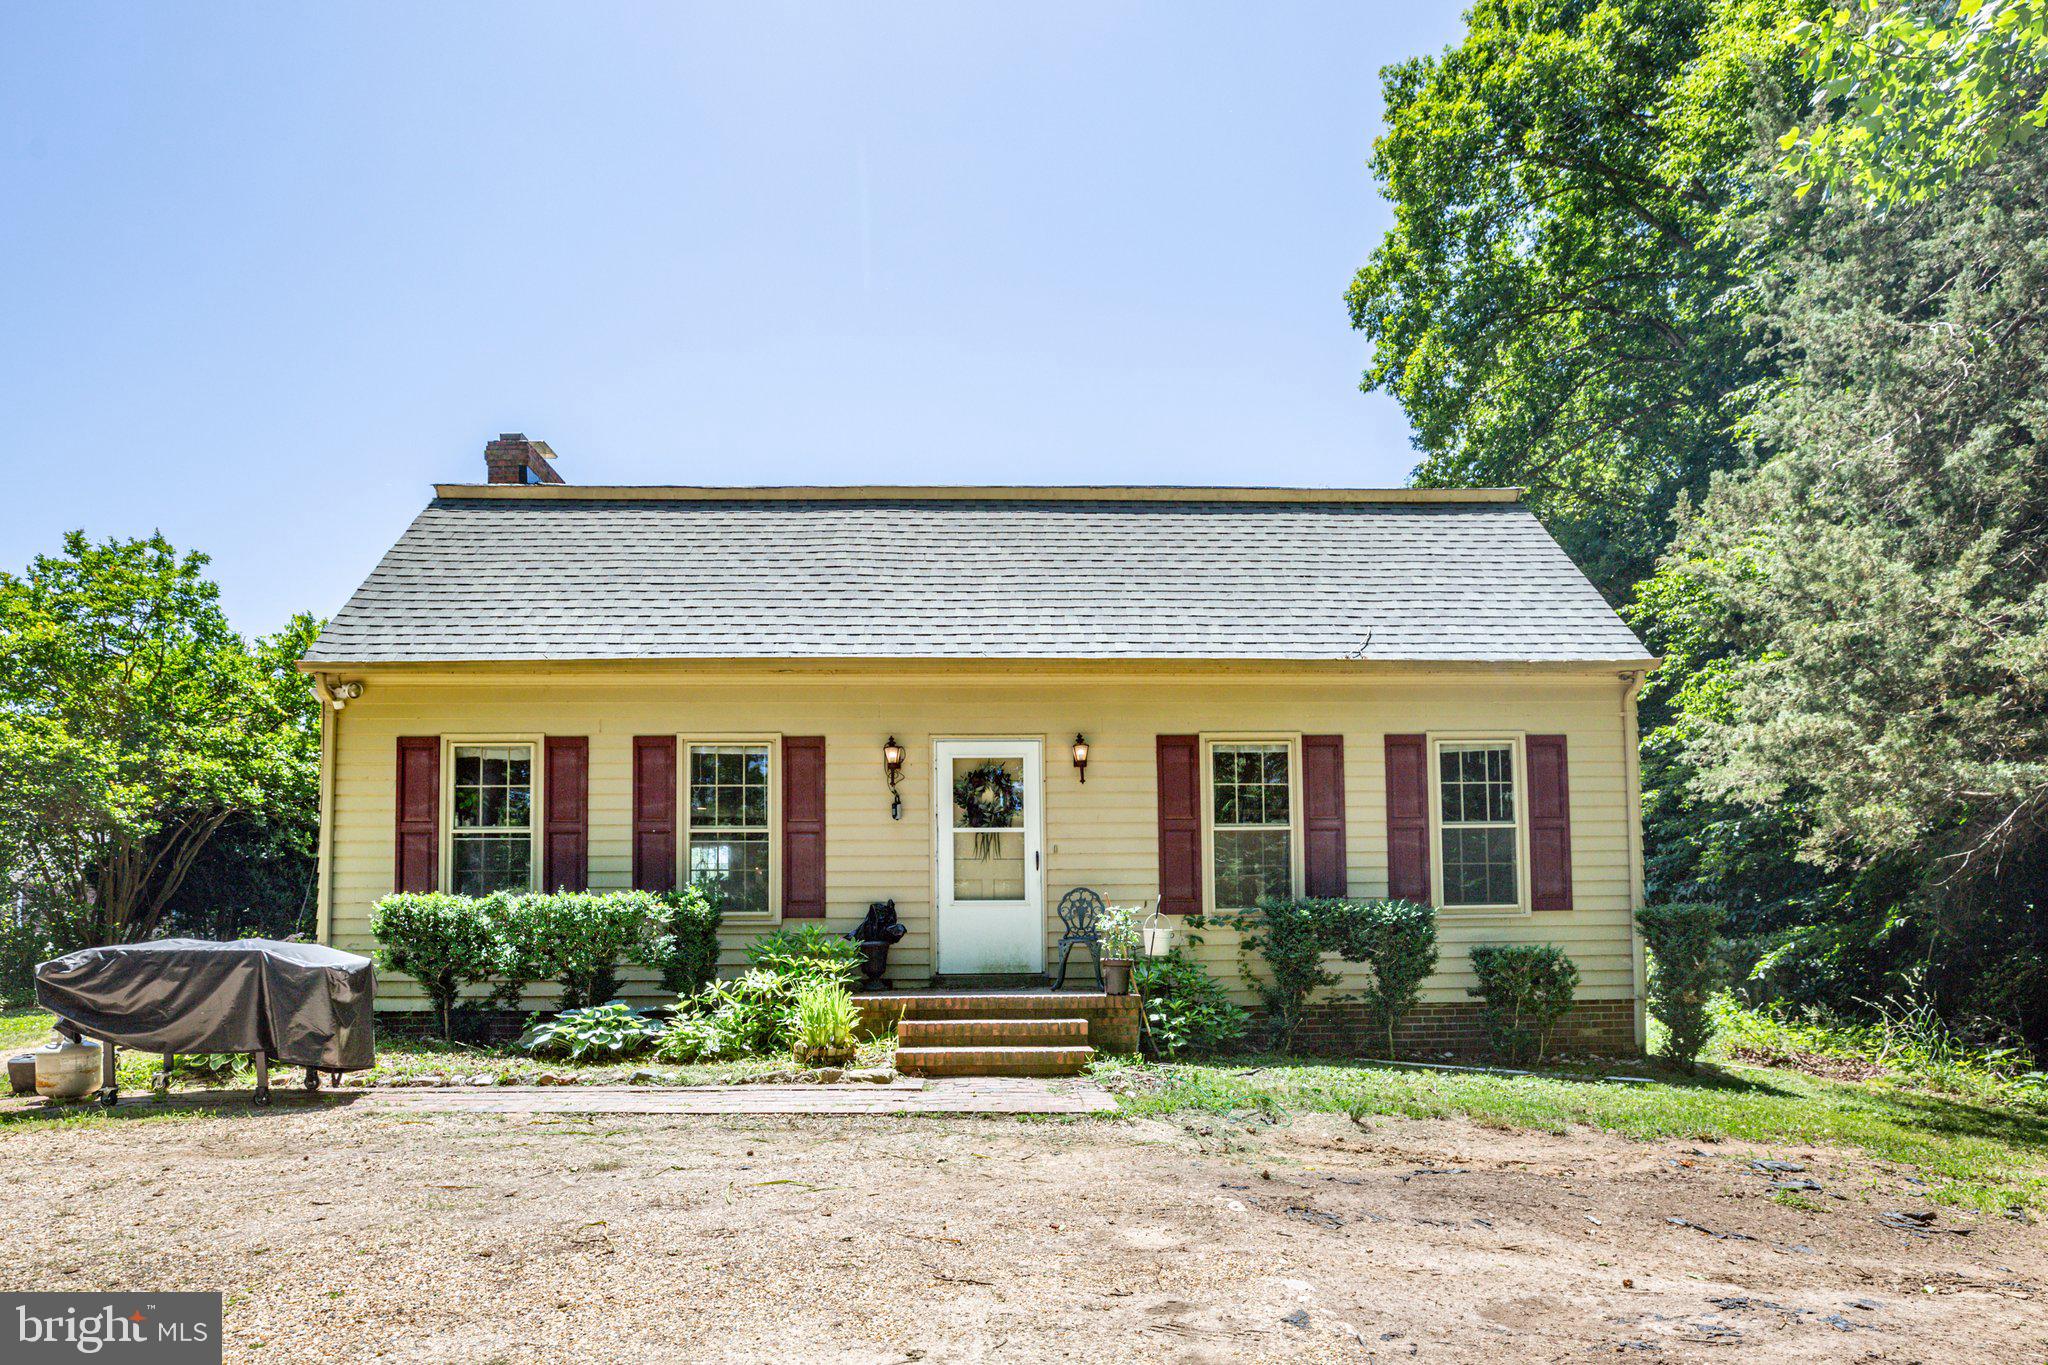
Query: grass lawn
x,y
1971,1153
23,1028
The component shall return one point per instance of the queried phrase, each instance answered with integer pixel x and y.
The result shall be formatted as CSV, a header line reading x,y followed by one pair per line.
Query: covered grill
x,y
297,1003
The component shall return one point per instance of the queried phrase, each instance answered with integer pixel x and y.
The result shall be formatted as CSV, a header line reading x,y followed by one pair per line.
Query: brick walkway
x,y
951,1095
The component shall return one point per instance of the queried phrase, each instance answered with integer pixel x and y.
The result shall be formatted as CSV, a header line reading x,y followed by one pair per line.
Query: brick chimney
x,y
514,459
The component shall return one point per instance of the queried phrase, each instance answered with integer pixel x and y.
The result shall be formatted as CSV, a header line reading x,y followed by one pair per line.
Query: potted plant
x,y
825,1020
1118,935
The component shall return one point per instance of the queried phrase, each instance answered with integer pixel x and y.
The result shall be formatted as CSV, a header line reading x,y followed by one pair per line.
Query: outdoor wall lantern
x,y
1081,756
892,760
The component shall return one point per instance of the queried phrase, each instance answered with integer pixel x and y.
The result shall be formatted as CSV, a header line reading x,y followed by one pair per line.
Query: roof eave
x,y
1639,664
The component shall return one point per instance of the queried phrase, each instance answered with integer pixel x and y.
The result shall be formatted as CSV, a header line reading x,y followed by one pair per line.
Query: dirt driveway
x,y
352,1235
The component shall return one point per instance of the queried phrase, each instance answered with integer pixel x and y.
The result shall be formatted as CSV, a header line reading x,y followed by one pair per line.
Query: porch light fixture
x,y
892,760
1081,756
343,693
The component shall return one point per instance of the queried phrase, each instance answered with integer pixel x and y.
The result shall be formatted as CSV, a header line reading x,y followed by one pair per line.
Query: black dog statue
x,y
875,935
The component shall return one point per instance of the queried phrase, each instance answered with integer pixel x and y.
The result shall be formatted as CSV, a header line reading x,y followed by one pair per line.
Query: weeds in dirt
x,y
1906,1044
427,1061
1972,1153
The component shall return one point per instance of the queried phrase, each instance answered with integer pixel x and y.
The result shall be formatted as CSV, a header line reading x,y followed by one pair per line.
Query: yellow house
x,y
972,700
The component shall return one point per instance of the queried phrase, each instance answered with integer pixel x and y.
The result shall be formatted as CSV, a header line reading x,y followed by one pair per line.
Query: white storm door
x,y
991,883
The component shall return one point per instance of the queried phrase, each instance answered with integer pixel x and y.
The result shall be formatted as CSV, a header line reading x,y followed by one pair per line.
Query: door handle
x,y
1034,860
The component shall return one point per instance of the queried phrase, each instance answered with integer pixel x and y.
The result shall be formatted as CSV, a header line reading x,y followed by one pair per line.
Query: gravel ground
x,y
354,1235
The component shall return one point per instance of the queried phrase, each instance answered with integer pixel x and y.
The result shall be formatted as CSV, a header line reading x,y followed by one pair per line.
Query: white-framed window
x,y
1479,819
1253,843
729,823
491,803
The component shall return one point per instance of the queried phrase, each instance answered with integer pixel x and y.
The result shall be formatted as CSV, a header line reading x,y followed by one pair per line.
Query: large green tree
x,y
1559,304
1884,576
134,724
1909,96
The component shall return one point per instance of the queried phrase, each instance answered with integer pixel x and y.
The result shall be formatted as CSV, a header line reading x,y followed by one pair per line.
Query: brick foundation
x,y
1605,1027
469,1025
1430,1032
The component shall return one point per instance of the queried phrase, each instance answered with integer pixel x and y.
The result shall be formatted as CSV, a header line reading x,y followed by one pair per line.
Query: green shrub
x,y
579,938
807,951
756,1012
576,938
1396,941
825,1018
683,942
1187,1011
23,944
1525,989
748,1016
1682,942
1288,935
593,1033
443,942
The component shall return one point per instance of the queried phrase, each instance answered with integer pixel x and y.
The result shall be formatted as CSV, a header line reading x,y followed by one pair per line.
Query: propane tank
x,y
68,1069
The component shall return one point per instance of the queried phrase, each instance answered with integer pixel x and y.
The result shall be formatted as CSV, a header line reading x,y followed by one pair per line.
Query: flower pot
x,y
822,1056
1116,976
874,964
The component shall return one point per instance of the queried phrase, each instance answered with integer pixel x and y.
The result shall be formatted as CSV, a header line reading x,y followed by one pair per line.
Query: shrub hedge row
x,y
578,939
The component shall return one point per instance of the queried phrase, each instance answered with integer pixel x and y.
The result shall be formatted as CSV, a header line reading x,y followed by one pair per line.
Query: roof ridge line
x,y
558,492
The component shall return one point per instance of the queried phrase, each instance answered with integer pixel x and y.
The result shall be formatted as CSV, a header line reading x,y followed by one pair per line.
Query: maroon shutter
x,y
654,812
1550,825
1180,824
1322,814
416,864
803,826
565,852
1408,818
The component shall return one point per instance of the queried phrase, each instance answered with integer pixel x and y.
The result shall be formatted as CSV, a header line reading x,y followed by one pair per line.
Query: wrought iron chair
x,y
1079,911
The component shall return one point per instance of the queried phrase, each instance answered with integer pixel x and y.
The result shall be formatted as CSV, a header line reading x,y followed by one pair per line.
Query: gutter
x,y
330,739
1632,796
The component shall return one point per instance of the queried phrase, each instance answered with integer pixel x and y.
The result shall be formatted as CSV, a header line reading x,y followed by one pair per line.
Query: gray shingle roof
x,y
967,577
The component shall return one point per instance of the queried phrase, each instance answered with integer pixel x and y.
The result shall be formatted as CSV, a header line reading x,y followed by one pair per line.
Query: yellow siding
x,y
1102,834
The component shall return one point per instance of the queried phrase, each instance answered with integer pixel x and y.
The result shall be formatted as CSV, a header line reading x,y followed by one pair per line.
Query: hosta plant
x,y
594,1033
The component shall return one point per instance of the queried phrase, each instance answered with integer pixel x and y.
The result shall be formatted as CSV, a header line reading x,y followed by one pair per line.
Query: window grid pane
x,y
732,871
492,862
493,787
727,846
1250,785
1251,823
1252,864
1476,808
492,799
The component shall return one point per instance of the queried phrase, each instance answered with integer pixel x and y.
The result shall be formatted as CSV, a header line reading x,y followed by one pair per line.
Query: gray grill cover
x,y
300,1003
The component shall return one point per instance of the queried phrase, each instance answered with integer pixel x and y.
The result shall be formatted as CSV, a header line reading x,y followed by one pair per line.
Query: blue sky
x,y
267,272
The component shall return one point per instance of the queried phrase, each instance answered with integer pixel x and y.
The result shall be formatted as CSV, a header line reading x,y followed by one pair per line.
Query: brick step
x,y
993,1061
948,1032
1112,1019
